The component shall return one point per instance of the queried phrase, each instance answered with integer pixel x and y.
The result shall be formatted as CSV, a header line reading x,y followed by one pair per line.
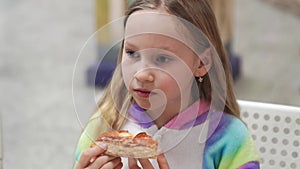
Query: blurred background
x,y
47,51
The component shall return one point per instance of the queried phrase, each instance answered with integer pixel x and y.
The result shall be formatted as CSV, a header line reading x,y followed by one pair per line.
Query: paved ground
x,y
269,41
39,45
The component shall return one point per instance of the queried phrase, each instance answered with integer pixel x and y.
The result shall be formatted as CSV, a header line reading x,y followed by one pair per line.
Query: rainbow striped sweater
x,y
195,138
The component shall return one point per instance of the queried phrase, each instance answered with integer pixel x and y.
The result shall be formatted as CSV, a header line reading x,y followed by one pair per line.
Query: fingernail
x,y
159,152
92,160
102,146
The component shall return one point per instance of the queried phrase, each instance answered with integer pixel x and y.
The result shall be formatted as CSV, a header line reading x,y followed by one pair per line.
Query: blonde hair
x,y
114,105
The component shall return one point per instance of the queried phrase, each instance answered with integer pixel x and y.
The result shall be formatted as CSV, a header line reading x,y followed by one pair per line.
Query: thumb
x,y
132,164
162,162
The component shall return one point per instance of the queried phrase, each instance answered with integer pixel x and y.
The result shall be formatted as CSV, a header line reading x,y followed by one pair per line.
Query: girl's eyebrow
x,y
130,45
163,47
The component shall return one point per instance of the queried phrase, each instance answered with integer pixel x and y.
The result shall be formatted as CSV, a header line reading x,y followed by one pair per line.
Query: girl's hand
x,y
93,158
146,164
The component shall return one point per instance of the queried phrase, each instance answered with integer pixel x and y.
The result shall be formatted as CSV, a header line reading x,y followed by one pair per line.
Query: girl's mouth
x,y
142,93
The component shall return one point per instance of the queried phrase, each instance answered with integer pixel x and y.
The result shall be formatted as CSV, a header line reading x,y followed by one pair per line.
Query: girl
x,y
173,82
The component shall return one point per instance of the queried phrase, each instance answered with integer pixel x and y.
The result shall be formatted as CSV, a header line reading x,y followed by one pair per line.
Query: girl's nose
x,y
145,75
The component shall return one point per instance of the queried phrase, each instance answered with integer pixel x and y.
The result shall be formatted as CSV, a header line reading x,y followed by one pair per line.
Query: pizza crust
x,y
124,144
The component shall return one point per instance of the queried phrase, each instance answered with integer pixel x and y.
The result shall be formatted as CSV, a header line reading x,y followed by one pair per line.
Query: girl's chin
x,y
143,104
148,106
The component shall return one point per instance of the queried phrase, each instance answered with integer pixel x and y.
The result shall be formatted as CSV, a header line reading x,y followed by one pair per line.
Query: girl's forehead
x,y
160,22
153,22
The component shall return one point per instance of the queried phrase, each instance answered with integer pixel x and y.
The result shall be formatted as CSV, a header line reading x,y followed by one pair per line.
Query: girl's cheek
x,y
128,74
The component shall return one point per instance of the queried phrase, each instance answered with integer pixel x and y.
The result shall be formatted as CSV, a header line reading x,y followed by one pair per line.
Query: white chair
x,y
1,144
276,133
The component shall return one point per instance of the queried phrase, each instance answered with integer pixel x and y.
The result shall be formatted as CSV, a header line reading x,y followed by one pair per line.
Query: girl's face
x,y
158,68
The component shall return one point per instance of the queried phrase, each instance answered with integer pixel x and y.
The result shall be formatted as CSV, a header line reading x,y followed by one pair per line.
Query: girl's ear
x,y
205,62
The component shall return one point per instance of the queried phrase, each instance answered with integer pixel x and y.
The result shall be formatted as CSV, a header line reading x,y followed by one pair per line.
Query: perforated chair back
x,y
276,132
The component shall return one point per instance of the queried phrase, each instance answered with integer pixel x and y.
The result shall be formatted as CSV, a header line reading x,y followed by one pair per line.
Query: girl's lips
x,y
142,93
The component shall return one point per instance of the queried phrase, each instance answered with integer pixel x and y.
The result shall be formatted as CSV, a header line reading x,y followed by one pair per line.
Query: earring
x,y
200,79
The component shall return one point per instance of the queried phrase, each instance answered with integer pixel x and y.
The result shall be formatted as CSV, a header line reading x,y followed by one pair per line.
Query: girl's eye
x,y
132,54
163,59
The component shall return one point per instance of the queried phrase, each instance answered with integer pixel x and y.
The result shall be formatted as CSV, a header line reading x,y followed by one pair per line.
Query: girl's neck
x,y
164,114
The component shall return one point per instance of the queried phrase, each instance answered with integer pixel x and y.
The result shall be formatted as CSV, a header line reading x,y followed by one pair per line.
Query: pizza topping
x,y
142,135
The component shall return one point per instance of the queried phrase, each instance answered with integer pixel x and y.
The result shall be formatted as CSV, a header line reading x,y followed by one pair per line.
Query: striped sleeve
x,y
94,127
231,146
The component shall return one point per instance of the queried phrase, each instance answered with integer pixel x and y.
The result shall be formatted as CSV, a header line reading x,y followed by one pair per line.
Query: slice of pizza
x,y
124,144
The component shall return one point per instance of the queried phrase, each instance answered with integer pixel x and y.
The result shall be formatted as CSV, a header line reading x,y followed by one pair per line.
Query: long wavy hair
x,y
115,102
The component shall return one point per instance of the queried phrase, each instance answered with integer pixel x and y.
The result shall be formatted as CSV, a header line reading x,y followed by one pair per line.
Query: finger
x,y
101,161
119,166
112,163
146,163
132,164
88,155
162,161
99,147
